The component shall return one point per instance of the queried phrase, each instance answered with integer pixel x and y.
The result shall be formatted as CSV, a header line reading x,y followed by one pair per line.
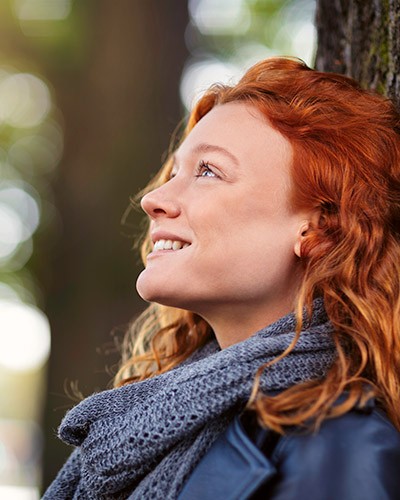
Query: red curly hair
x,y
346,166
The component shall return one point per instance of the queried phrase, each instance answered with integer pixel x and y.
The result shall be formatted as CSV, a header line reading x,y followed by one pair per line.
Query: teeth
x,y
169,245
159,245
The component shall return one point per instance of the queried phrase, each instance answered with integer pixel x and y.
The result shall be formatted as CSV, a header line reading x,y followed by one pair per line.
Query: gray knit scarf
x,y
143,440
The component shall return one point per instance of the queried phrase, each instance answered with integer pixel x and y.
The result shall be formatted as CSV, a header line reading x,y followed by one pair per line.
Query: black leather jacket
x,y
352,457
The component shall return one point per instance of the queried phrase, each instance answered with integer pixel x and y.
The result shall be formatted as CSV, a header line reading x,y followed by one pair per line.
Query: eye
x,y
171,175
204,170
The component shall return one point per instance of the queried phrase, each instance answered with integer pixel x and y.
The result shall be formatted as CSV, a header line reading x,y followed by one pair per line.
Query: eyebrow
x,y
205,147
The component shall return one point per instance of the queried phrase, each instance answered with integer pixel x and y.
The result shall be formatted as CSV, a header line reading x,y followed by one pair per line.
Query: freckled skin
x,y
240,272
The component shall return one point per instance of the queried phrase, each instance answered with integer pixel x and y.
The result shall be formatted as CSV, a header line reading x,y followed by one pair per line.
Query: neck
x,y
233,324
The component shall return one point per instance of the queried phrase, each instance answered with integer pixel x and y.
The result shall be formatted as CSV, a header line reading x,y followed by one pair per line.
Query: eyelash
x,y
203,167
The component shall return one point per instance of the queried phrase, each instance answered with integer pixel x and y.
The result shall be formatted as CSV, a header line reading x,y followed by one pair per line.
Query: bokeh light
x,y
22,198
197,76
38,153
19,219
25,100
11,231
24,337
220,18
42,10
19,493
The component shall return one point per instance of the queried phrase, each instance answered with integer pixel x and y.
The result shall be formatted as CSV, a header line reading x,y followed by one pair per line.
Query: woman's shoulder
x,y
361,429
354,456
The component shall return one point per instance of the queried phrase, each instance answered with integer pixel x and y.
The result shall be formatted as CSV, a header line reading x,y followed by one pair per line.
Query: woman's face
x,y
225,212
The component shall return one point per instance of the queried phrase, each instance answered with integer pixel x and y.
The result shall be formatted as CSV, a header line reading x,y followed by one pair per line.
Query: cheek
x,y
257,245
248,253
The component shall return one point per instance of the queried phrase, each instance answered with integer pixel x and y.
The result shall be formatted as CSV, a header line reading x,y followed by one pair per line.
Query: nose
x,y
158,203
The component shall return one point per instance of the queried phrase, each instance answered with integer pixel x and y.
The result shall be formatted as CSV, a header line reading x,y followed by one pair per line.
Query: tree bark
x,y
361,39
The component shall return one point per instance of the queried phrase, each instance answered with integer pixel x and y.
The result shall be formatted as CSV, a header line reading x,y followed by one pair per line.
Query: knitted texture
x,y
143,440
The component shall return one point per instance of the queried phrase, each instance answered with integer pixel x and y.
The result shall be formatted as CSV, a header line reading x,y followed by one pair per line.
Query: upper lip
x,y
165,235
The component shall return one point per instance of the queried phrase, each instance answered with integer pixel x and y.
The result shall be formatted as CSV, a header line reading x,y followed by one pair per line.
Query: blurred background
x,y
90,94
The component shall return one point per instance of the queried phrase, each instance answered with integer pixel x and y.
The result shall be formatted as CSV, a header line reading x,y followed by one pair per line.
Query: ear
x,y
304,227
310,220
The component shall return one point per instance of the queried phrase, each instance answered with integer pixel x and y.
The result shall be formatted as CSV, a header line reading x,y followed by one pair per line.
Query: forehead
x,y
241,129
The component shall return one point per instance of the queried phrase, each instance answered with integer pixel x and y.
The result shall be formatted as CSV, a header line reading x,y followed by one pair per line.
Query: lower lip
x,y
157,253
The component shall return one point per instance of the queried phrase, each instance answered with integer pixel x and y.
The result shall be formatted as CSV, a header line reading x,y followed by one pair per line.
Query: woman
x,y
268,364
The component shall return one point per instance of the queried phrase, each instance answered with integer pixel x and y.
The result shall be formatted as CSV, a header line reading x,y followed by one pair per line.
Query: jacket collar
x,y
233,468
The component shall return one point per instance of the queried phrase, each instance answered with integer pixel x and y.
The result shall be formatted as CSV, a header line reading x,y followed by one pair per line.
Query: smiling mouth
x,y
169,245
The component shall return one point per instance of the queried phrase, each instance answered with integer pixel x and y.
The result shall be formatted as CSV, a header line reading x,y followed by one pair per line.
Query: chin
x,y
150,291
145,289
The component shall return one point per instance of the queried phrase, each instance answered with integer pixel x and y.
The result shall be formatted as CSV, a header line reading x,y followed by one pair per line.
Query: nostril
x,y
158,211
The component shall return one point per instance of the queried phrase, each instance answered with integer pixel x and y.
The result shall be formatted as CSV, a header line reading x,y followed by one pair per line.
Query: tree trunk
x,y
120,106
361,39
